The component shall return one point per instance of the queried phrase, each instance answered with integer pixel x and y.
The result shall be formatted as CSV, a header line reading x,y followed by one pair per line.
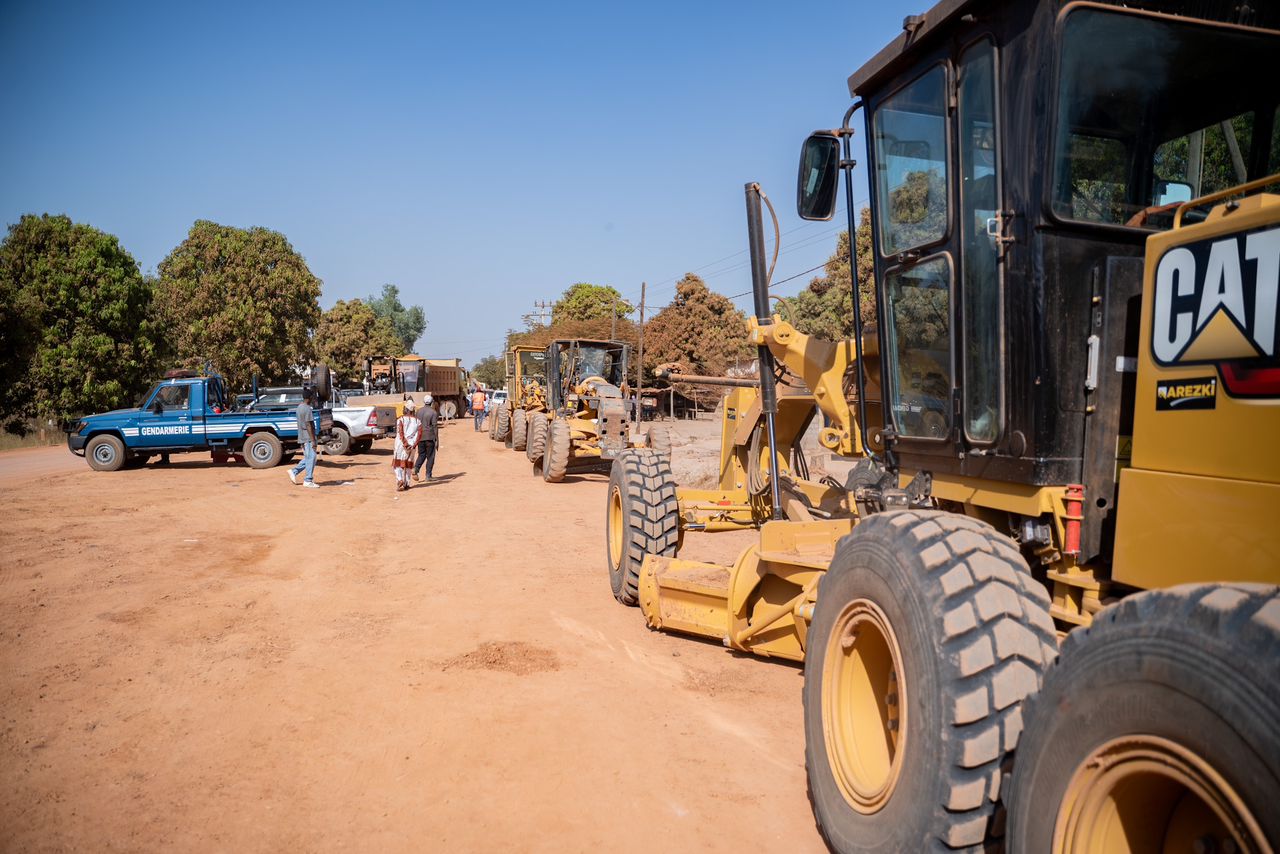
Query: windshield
x,y
145,396
1152,112
532,366
599,362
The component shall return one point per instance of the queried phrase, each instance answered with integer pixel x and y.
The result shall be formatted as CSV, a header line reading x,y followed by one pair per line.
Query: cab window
x,y
980,289
919,331
172,398
1190,110
910,136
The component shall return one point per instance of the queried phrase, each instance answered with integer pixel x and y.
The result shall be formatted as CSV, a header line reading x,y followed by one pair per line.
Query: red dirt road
x,y
206,657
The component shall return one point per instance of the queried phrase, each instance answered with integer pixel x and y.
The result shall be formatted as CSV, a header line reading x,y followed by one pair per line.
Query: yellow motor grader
x,y
588,420
1055,534
526,396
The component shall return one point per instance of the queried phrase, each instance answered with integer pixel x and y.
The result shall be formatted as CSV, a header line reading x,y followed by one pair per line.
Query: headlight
x,y
80,425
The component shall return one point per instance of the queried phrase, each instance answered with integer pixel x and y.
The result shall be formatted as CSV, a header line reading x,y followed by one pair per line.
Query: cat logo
x,y
1216,300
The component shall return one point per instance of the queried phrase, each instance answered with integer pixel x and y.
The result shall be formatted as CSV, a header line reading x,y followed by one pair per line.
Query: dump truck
x,y
1041,610
447,383
587,421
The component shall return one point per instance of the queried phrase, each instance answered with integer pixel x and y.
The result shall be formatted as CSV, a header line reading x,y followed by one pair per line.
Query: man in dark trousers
x,y
428,439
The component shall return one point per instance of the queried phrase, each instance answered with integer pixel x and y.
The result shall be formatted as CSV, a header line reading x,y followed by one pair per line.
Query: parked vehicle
x,y
185,413
354,427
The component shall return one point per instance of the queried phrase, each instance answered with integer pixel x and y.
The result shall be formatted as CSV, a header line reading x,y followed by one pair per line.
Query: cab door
x,y
166,420
937,230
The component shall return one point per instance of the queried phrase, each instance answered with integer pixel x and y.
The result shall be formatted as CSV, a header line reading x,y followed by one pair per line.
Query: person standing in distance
x,y
407,429
477,407
306,436
428,440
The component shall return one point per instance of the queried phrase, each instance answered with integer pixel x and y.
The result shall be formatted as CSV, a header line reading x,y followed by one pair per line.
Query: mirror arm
x,y
847,163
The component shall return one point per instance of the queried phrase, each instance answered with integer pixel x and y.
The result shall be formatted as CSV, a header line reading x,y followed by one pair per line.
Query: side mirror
x,y
1172,192
819,176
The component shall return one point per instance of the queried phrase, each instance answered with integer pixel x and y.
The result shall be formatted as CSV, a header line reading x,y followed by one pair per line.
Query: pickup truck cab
x,y
185,413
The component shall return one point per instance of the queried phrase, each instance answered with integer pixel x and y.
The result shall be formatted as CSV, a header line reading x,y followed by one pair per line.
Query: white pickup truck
x,y
354,427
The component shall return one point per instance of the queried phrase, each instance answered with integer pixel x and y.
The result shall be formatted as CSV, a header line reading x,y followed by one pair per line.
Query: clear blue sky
x,y
480,156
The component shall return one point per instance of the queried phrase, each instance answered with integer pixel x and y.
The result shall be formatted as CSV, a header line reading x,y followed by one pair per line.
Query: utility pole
x,y
613,325
541,311
640,354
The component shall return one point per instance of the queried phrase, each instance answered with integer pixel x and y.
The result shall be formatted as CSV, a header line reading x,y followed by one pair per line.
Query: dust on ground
x,y
204,657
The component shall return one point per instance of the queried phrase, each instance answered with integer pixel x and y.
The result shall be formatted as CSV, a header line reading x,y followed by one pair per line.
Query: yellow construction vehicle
x,y
1055,535
526,396
588,420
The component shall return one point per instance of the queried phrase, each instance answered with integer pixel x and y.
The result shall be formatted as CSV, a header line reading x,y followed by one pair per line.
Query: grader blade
x,y
685,596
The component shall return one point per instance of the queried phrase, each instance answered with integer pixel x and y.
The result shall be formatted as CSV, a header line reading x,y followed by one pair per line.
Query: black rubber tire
x,y
361,446
105,452
448,410
519,430
975,636
537,440
1194,664
658,438
493,425
322,380
262,450
339,442
643,481
555,457
503,424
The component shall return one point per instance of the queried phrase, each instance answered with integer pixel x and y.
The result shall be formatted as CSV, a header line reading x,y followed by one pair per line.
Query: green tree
x,y
491,371
409,322
241,299
349,333
700,329
825,308
584,301
76,334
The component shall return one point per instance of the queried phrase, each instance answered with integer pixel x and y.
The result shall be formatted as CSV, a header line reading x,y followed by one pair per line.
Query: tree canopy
x,y
75,330
242,299
700,329
491,371
409,322
825,308
585,301
349,333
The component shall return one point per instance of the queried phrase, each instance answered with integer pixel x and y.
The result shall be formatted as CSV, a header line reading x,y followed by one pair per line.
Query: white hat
x,y
409,405
427,399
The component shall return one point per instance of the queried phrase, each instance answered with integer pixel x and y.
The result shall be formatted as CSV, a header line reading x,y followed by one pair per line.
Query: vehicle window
x,y
1209,159
919,330
173,397
1149,113
980,273
910,134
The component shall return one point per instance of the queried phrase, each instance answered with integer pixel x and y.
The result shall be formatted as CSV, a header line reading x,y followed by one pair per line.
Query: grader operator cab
x,y
588,421
526,395
1069,433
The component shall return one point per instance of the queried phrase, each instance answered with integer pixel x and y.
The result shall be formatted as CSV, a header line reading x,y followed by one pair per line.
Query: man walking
x,y
307,437
428,440
477,407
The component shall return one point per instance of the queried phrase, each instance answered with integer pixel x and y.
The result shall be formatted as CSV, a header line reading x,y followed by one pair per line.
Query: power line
x,y
773,285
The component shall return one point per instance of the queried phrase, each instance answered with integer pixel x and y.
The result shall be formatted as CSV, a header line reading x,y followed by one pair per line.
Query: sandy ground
x,y
206,657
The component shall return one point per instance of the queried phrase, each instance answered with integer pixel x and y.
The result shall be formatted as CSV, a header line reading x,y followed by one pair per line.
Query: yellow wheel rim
x,y
1144,793
864,709
615,527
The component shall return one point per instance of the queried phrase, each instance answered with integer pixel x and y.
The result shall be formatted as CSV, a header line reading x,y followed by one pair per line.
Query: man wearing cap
x,y
407,429
428,440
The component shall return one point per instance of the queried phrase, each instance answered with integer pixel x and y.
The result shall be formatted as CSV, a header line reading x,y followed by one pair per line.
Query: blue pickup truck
x,y
184,413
